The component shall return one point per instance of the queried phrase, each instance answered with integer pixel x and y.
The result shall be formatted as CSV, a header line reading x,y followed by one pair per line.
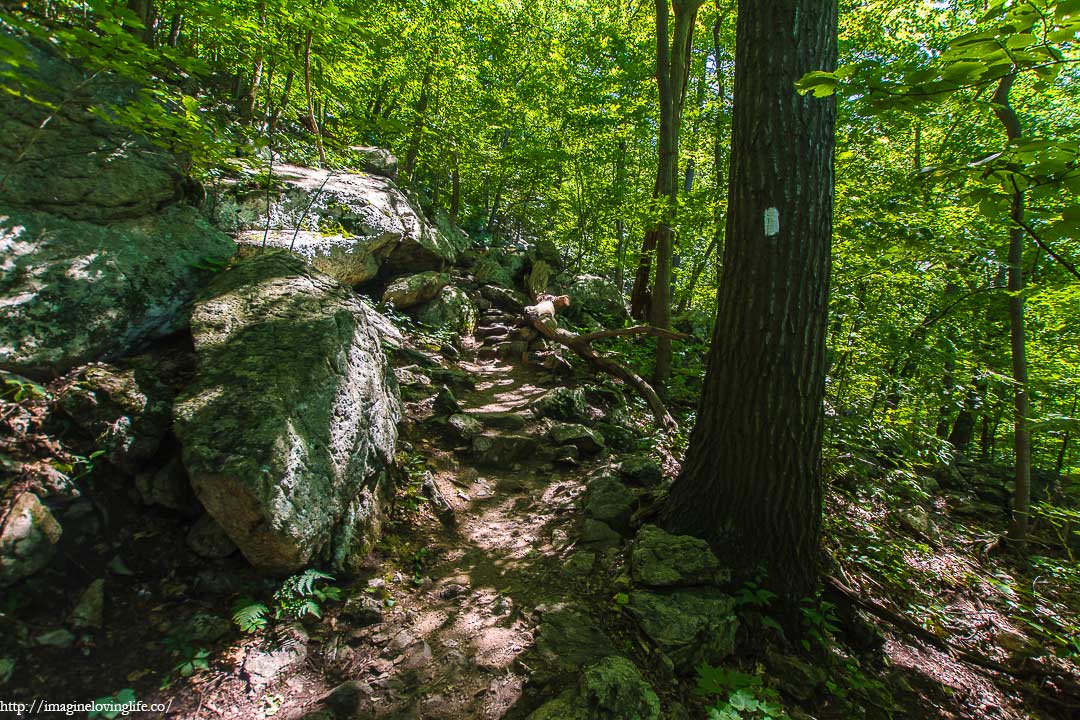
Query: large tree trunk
x,y
1017,337
751,480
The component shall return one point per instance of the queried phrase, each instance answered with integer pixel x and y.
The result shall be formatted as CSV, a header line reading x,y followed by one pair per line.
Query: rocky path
x,y
453,648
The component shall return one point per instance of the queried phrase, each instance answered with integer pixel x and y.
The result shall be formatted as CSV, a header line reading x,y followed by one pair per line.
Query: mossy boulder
x,y
289,425
451,309
660,559
410,290
689,626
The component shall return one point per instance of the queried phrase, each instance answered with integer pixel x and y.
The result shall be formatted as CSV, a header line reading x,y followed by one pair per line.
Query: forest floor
x,y
444,625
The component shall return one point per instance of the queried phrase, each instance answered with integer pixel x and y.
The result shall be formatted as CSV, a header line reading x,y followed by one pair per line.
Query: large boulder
x,y
452,310
289,424
76,292
28,538
96,256
348,225
410,290
59,154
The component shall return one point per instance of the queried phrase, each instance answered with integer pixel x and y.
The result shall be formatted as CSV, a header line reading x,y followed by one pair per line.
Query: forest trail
x,y
449,650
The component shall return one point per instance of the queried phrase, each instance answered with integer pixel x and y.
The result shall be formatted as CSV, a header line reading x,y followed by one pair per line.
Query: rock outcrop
x,y
289,425
348,225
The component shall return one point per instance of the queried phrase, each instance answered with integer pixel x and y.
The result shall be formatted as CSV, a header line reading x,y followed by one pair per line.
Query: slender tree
x,y
751,479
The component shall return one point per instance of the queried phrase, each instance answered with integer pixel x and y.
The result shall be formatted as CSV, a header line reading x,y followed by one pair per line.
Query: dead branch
x,y
542,317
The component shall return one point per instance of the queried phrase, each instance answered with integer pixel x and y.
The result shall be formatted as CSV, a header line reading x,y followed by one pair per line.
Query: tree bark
x,y
1017,336
751,479
418,124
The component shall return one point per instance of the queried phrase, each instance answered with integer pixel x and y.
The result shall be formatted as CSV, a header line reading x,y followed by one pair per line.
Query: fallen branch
x,y
542,317
636,330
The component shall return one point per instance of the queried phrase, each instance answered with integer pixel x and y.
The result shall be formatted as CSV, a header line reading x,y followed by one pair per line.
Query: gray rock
x,y
536,282
362,610
661,559
566,455
615,688
451,310
77,292
691,626
915,519
580,564
28,538
264,665
563,403
59,638
439,504
618,437
502,450
596,533
640,470
463,428
126,410
290,423
410,290
489,271
579,436
208,539
375,160
350,225
609,501
89,612
598,297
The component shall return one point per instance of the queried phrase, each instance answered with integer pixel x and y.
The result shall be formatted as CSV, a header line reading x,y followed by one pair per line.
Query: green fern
x,y
250,616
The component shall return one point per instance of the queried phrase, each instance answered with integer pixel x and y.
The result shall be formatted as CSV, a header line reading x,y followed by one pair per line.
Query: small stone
x,y
451,591
463,428
263,666
915,519
89,612
566,455
579,436
362,610
28,538
415,656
